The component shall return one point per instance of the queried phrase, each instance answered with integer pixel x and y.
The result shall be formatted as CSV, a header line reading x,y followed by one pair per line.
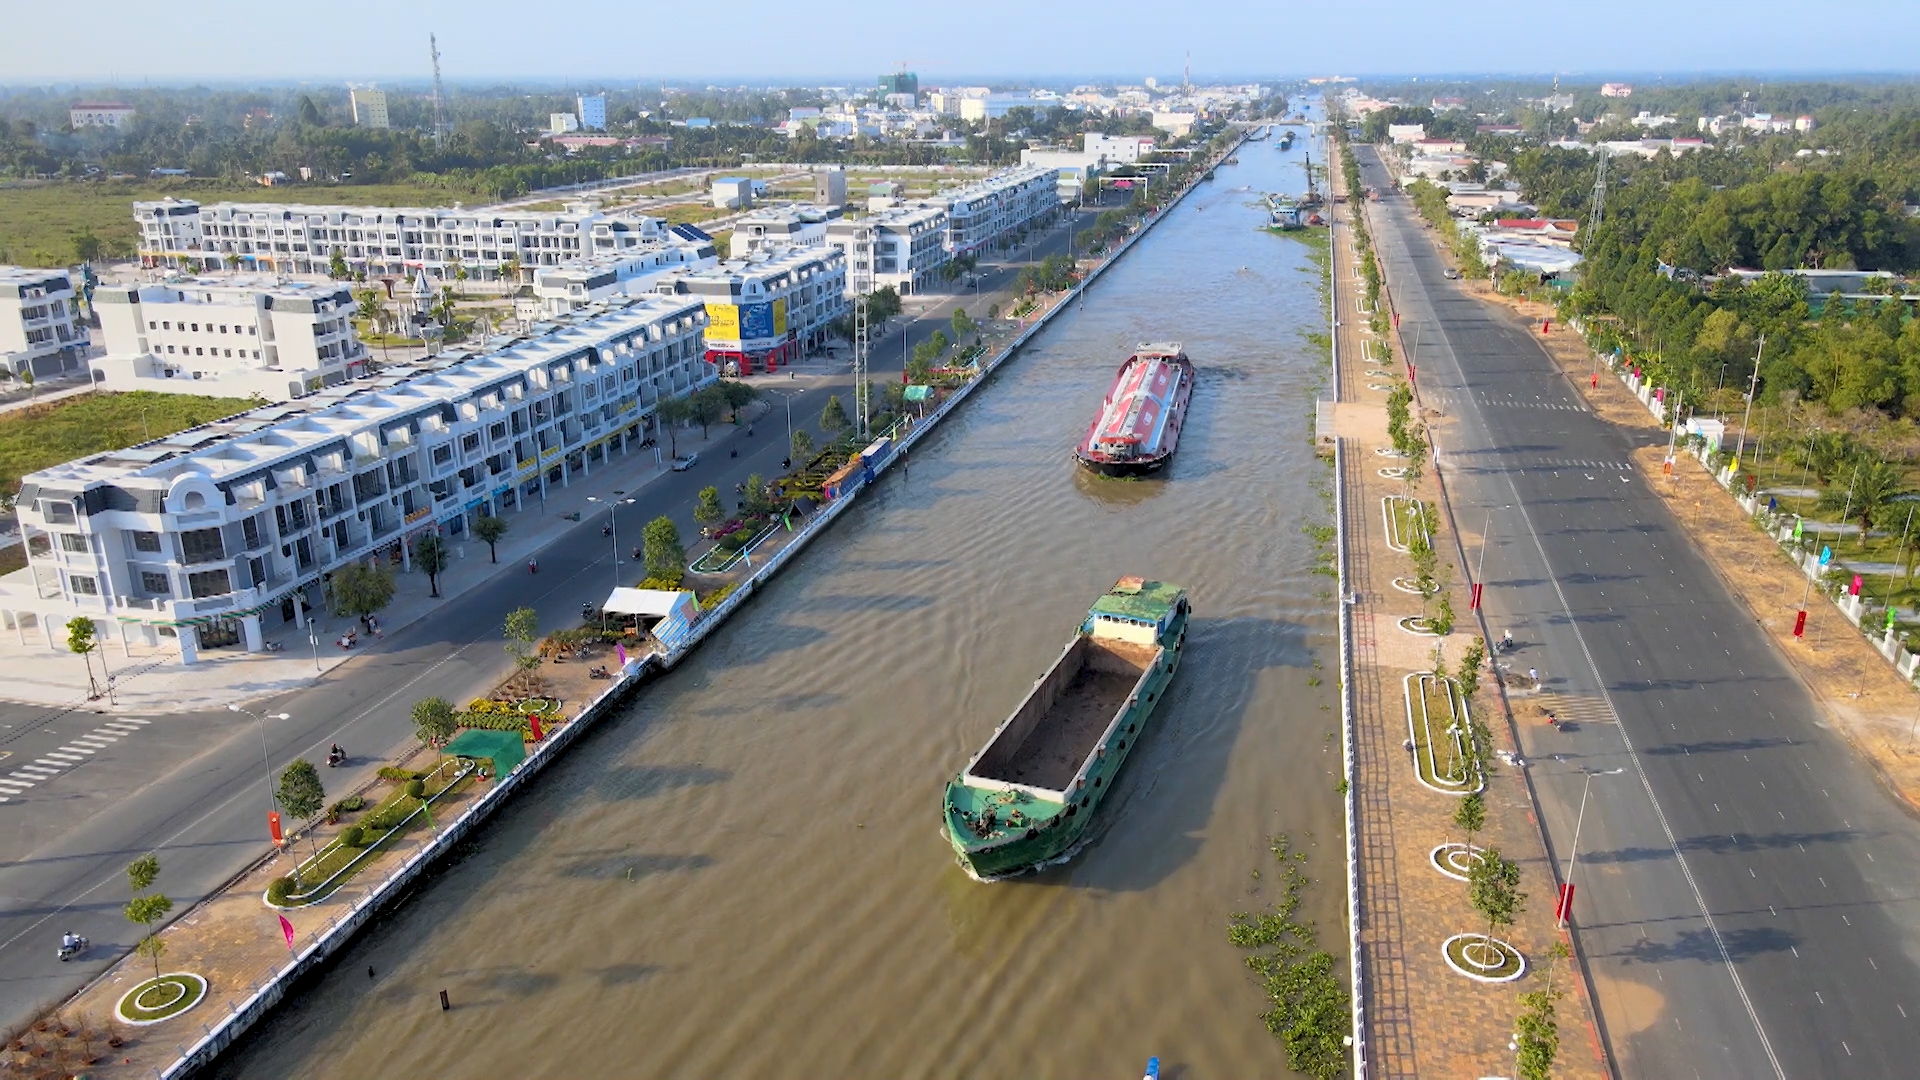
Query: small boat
x,y
1286,140
1027,797
1153,1069
1138,428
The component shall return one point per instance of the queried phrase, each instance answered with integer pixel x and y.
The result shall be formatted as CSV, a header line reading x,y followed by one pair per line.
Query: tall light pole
x,y
786,397
1566,890
1480,562
1753,387
613,530
273,801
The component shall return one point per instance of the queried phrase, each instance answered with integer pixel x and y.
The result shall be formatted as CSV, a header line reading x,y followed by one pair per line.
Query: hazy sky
x,y
592,41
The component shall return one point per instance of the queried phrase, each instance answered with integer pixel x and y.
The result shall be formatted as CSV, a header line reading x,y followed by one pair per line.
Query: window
x,y
208,583
156,583
82,585
146,541
442,454
76,542
201,545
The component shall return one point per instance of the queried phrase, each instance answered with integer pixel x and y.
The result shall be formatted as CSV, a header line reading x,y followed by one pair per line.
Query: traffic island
x,y
1441,731
161,998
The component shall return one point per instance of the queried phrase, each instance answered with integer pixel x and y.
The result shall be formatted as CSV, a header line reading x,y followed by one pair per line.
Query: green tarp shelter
x,y
504,748
917,392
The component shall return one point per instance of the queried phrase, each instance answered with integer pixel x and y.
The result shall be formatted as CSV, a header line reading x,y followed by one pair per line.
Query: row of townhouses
x,y
300,239
38,331
209,536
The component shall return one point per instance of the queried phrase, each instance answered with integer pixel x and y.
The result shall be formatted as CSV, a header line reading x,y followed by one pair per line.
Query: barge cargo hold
x,y
1027,797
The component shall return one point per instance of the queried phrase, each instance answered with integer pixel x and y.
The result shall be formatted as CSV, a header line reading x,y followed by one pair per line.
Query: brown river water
x,y
744,874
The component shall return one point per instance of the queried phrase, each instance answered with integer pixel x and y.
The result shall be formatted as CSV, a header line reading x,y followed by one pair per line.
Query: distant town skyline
x,y
225,41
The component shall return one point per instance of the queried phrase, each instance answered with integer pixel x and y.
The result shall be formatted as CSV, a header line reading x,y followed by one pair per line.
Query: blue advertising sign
x,y
756,321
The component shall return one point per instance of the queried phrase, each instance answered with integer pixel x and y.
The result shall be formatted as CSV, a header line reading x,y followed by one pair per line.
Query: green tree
x,y
665,558
705,406
737,395
963,324
146,908
430,554
301,794
1538,1032
671,413
882,304
81,639
434,721
86,246
709,511
756,495
337,266
1470,815
802,445
488,530
993,312
359,589
833,418
521,629
1493,888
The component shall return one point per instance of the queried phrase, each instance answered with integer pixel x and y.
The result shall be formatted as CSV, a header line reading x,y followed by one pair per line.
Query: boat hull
x,y
1134,467
1066,829
1132,464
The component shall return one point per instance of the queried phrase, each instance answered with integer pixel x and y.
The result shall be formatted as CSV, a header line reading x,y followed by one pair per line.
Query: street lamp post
x,y
1566,899
613,530
266,765
786,397
1480,562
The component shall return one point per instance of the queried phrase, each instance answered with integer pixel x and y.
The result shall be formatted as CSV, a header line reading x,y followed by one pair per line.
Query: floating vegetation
x,y
1309,1011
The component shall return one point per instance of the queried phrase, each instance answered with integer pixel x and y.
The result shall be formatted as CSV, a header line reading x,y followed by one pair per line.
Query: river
x,y
744,874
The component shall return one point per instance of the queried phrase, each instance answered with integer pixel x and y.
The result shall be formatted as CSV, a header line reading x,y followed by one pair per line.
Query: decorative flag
x,y
1854,589
1826,555
1773,504
620,651
286,931
1797,523
1892,613
533,727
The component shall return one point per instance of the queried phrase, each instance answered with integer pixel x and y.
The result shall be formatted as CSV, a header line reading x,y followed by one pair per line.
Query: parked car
x,y
1449,273
682,464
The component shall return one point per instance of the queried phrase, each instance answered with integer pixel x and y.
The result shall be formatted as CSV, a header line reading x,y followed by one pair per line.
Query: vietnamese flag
x,y
286,931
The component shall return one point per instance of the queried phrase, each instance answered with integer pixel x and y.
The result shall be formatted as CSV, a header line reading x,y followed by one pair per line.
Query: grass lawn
x,y
45,435
691,213
37,220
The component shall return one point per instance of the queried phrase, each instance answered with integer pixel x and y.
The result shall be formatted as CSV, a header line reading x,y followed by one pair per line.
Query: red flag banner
x,y
286,931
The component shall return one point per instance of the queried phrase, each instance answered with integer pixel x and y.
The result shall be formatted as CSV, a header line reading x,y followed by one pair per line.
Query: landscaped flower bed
x,y
1441,730
343,856
162,999
492,714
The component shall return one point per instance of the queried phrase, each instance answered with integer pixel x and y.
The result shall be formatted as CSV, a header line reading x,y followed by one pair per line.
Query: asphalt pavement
x,y
194,787
1745,889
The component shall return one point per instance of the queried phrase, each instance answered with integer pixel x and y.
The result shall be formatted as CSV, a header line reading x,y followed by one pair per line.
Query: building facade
x,y
228,338
783,226
369,108
768,309
607,278
212,536
100,114
1118,149
492,245
39,331
902,246
982,214
592,110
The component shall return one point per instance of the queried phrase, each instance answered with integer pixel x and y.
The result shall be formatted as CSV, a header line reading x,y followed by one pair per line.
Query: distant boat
x,y
1286,140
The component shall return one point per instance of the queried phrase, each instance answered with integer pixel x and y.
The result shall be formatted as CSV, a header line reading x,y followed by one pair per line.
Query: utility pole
x,y
1753,386
862,280
1599,194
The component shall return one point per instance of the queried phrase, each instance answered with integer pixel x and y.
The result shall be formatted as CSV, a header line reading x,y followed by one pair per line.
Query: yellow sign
x,y
779,318
723,322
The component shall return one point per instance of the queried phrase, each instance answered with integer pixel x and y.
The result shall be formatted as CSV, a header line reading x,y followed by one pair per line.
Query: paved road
x,y
194,787
1745,890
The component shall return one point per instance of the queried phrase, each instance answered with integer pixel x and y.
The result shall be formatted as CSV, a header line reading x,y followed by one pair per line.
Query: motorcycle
x,y
72,948
600,673
336,756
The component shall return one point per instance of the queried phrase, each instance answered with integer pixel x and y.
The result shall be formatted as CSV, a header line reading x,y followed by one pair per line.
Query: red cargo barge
x,y
1139,424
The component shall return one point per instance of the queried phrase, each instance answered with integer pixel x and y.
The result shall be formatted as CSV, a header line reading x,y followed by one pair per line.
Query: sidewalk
x,y
151,681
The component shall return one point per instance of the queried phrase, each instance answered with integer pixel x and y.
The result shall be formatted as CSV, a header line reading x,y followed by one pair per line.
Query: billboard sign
x,y
756,321
723,322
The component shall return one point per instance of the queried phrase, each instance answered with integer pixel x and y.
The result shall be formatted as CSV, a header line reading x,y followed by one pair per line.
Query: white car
x,y
1449,273
684,463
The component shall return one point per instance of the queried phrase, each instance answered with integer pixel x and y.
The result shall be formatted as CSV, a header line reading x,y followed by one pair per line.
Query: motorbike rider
x,y
70,942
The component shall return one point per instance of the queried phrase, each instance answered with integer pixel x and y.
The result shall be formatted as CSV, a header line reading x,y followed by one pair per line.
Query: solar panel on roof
x,y
688,232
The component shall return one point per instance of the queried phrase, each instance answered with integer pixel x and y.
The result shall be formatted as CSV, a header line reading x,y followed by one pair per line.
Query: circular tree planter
x,y
1393,472
1407,585
161,999
1453,860
1483,959
1419,626
1382,387
1388,451
1380,374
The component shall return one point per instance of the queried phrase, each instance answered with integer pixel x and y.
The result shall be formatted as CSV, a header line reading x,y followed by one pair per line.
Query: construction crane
x,y
439,96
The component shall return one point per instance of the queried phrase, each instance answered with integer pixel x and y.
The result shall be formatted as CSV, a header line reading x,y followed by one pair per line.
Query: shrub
x,y
389,772
278,889
349,804
666,584
416,788
353,836
713,599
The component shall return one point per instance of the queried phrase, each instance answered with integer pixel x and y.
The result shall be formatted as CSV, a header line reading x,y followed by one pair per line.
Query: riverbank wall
x,y
217,1036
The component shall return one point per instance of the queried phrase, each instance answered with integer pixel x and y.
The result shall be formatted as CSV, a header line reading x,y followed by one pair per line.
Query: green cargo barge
x,y
1027,797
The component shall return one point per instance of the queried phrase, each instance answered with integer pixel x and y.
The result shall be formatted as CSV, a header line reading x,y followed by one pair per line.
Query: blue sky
x,y
595,41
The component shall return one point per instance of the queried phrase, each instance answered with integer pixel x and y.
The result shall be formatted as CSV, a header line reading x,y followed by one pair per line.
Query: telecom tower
x,y
439,96
1599,194
1186,72
861,278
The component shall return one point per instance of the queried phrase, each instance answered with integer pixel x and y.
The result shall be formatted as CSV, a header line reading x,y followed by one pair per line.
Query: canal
x,y
745,876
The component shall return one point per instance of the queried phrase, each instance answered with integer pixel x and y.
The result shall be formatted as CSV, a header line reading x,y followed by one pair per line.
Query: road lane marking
x,y
78,750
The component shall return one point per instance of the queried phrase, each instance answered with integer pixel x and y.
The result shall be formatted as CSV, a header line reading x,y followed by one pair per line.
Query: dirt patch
x,y
1868,702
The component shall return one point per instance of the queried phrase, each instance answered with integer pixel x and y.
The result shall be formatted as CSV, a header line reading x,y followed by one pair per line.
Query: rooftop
x,y
1137,598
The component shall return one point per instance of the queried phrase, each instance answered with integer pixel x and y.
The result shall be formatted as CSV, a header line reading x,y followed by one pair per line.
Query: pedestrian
x,y
1534,674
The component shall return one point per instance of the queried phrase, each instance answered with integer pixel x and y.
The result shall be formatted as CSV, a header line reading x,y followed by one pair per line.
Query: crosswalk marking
x,y
68,758
21,784
32,773
71,749
1532,405
81,749
134,721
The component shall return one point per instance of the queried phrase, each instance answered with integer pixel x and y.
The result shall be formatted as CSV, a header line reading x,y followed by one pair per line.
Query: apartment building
x,y
903,246
100,114
226,337
767,309
605,278
214,535
39,331
369,108
1119,149
785,226
592,110
982,214
382,241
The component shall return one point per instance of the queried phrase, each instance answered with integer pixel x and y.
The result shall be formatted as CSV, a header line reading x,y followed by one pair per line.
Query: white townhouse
x,y
211,536
982,214
901,246
38,328
768,309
